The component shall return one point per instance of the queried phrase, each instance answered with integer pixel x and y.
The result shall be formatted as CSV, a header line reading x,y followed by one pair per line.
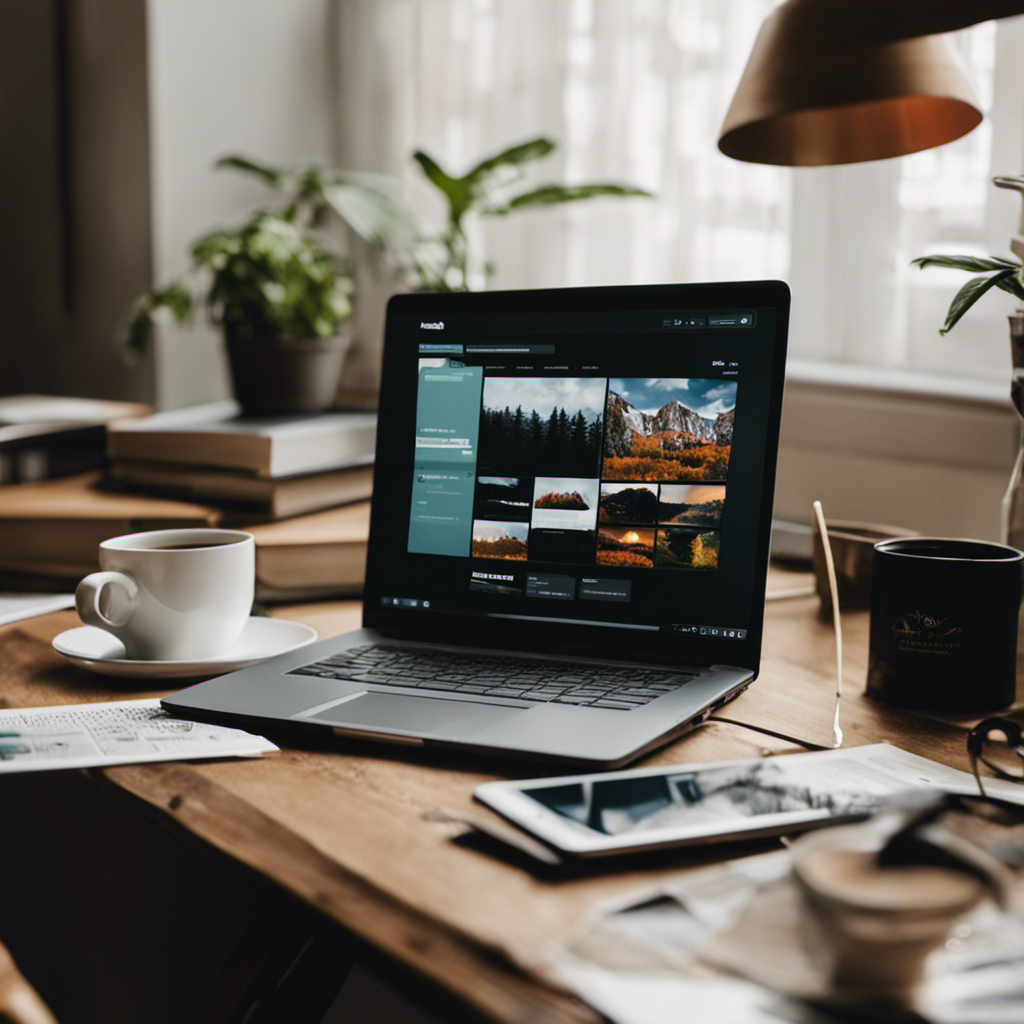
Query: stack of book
x,y
45,436
300,485
50,531
277,466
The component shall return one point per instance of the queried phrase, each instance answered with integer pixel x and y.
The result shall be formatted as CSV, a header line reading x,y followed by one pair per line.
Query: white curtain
x,y
635,91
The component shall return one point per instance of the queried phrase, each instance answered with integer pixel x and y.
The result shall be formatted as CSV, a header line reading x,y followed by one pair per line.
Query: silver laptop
x,y
570,529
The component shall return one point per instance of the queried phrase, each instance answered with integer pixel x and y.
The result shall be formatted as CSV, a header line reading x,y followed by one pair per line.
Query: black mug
x,y
944,623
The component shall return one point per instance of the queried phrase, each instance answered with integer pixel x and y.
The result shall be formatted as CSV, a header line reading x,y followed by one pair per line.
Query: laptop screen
x,y
580,466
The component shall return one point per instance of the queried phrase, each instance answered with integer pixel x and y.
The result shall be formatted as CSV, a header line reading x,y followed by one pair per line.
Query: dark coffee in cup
x,y
944,623
184,547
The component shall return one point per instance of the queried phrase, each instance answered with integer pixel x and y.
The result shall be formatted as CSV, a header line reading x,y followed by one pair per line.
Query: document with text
x,y
121,732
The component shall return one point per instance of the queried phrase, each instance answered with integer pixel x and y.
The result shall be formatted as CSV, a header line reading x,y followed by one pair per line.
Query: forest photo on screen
x,y
541,426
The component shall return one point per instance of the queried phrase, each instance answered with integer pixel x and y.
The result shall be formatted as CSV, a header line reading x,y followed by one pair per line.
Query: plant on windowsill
x,y
281,298
399,251
424,259
451,260
1008,276
994,272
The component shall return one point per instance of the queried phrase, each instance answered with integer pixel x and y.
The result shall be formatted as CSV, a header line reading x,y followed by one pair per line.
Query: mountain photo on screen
x,y
668,428
500,540
541,425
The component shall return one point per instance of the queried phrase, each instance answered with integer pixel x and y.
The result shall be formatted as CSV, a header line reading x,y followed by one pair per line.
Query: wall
x,y
895,448
249,76
76,243
112,114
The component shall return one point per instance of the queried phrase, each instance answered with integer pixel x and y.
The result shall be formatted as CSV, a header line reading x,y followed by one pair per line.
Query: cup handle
x,y
121,601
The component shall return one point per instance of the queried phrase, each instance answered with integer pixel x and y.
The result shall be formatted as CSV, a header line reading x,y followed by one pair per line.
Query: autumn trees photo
x,y
678,429
500,540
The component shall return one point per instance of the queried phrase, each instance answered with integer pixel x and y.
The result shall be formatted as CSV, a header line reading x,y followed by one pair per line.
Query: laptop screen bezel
x,y
596,640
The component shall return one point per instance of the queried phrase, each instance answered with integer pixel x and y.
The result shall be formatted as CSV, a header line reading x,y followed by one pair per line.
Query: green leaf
x,y
1014,285
521,153
975,264
138,332
548,195
271,175
497,172
455,190
969,295
370,212
432,169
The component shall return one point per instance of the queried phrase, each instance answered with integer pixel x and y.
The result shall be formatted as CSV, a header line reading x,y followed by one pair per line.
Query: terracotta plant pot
x,y
286,376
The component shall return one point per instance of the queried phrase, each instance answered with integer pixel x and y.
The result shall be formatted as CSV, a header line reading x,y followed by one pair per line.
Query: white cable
x,y
837,733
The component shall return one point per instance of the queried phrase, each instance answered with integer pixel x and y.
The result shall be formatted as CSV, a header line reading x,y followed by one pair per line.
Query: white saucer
x,y
98,651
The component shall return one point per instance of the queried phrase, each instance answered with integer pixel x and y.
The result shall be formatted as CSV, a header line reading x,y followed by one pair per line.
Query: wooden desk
x,y
342,827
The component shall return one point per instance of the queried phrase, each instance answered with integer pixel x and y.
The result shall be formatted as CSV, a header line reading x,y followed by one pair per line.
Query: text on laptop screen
x,y
598,468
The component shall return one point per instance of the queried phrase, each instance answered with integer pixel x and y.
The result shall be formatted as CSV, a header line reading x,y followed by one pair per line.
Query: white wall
x,y
895,448
249,76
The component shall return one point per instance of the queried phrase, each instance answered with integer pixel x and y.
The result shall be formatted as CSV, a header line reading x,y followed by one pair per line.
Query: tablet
x,y
643,809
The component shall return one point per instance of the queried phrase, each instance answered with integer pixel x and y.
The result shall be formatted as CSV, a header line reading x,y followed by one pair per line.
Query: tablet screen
x,y
715,796
647,808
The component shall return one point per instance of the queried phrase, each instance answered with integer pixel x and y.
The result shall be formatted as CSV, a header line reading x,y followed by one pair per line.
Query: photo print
x,y
541,425
499,540
508,498
631,547
685,547
671,429
565,503
628,503
691,504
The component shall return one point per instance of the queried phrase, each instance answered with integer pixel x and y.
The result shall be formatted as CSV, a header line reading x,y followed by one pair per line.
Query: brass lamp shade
x,y
810,97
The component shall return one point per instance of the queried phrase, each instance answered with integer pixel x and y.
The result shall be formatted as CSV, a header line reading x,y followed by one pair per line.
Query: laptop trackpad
x,y
384,711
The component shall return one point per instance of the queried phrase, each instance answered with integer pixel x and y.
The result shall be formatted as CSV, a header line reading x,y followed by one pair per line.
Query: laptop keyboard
x,y
529,679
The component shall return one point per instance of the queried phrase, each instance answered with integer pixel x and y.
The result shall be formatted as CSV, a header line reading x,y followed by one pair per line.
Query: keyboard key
x,y
530,679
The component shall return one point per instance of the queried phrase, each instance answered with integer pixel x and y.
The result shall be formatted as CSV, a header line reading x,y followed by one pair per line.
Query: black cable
x,y
769,732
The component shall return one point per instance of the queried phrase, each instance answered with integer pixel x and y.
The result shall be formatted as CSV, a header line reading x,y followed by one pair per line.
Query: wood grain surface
x,y
341,823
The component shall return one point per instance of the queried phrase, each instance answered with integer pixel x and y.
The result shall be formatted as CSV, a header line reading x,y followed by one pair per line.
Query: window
x,y
636,92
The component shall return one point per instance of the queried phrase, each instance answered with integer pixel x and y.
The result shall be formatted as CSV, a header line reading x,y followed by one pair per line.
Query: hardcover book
x,y
214,435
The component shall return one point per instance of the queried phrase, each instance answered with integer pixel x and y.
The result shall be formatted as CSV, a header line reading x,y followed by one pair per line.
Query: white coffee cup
x,y
172,595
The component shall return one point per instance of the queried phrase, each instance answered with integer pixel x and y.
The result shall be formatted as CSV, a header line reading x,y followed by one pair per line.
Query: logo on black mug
x,y
926,634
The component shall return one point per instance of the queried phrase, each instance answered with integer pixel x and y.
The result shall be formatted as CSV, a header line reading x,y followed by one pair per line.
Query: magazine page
x,y
121,732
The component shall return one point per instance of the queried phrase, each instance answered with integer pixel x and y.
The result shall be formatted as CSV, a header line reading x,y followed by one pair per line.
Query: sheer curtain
x,y
635,92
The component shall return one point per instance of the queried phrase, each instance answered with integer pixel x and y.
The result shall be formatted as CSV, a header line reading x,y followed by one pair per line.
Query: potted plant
x,y
1008,276
281,298
267,307
426,259
993,271
450,260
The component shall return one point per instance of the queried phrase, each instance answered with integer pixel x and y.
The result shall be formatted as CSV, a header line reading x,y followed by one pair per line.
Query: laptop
x,y
570,527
